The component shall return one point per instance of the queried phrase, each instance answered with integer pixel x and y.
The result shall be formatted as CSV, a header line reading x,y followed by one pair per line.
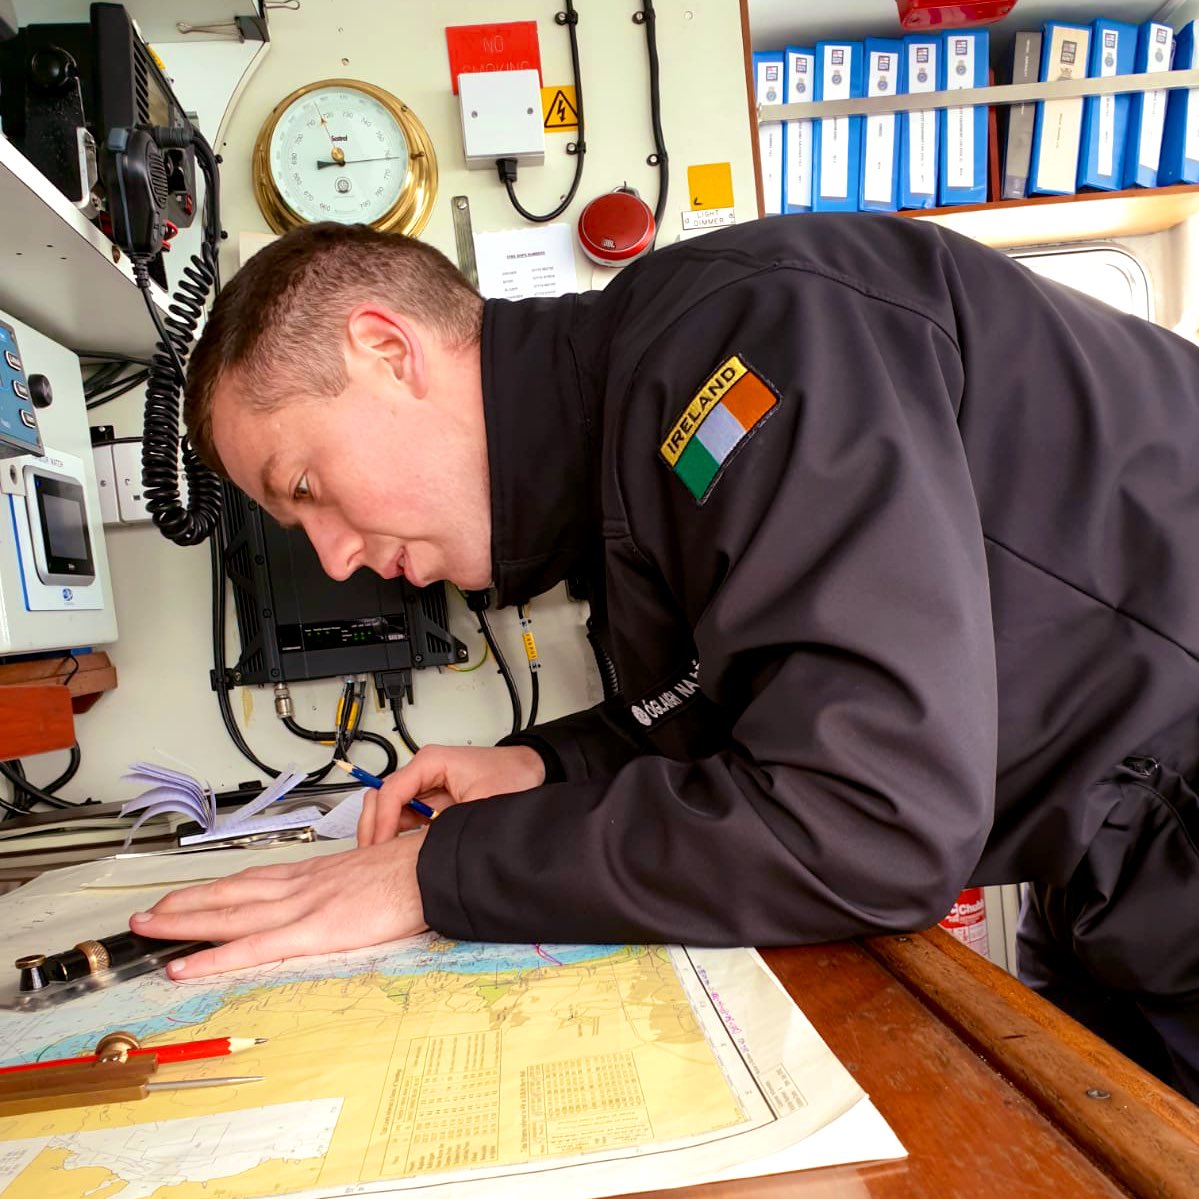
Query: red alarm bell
x,y
616,228
946,14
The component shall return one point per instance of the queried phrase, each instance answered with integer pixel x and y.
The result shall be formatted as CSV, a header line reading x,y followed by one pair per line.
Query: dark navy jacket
x,y
936,596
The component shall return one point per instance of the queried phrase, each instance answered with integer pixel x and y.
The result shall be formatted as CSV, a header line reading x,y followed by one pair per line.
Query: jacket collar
x,y
542,444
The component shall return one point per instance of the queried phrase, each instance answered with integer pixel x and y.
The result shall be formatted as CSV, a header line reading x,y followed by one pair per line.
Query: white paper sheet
x,y
342,821
520,264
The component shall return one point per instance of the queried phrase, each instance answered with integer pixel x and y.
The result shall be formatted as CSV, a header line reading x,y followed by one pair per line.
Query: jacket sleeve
x,y
593,743
835,580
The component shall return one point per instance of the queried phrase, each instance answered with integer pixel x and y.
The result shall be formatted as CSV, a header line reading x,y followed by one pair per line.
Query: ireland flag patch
x,y
715,424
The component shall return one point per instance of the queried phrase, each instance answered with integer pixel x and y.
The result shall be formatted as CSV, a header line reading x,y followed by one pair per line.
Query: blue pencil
x,y
373,780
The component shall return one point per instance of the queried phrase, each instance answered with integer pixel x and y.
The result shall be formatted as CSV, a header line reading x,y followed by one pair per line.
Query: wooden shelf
x,y
83,677
59,273
34,720
1088,216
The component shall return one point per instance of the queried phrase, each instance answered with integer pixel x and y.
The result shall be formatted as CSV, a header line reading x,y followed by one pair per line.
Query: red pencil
x,y
179,1051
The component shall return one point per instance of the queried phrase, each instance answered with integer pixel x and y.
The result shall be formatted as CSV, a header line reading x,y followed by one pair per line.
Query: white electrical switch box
x,y
106,482
127,465
501,117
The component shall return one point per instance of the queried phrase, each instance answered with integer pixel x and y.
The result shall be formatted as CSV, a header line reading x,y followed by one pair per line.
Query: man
x,y
895,548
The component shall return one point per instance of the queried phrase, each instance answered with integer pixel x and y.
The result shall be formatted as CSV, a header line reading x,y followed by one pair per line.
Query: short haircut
x,y
281,318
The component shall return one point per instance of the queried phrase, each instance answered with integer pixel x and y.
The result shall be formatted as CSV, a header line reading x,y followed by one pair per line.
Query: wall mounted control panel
x,y
55,591
19,432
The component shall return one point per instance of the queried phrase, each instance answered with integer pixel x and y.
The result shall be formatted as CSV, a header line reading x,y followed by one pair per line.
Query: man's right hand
x,y
442,775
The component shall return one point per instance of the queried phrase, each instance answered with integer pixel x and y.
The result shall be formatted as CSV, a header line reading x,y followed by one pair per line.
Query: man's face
x,y
375,476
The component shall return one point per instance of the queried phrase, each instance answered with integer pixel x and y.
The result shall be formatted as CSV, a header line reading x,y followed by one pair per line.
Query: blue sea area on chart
x,y
153,1006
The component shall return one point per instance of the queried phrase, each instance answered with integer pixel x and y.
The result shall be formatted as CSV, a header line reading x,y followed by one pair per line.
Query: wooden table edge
x,y
1143,1134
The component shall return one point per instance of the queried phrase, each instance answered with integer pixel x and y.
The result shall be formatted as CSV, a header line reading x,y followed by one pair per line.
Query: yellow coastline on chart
x,y
422,1059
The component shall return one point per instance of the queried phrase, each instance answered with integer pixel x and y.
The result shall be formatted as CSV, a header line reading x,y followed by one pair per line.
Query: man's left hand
x,y
268,913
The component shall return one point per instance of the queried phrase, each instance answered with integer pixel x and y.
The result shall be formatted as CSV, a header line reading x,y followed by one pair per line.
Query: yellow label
x,y
559,113
723,377
710,185
530,646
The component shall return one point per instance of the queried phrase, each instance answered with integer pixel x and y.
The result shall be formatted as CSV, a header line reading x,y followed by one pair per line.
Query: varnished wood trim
x,y
85,674
35,719
1087,216
747,48
1143,1134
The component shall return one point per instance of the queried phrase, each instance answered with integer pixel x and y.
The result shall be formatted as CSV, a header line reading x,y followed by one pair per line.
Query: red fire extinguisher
x,y
967,920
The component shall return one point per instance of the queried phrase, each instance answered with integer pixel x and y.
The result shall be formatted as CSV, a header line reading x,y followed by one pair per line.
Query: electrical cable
x,y
105,377
20,797
114,394
73,764
17,778
343,737
609,679
10,809
535,698
650,21
107,356
502,663
507,173
216,557
25,794
101,378
354,731
474,665
397,712
393,759
534,679
161,442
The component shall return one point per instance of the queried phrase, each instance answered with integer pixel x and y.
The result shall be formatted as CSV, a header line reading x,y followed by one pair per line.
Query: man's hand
x,y
442,775
267,913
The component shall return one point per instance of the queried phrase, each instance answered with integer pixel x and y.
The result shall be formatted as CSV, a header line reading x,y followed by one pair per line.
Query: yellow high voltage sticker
x,y
558,110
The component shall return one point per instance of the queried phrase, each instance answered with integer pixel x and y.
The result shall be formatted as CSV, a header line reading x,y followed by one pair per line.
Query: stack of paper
x,y
172,792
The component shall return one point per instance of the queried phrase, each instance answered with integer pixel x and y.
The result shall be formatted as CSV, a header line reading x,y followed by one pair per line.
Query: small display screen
x,y
66,531
62,515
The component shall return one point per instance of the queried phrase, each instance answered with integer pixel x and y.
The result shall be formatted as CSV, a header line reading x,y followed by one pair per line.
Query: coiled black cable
x,y
160,440
609,679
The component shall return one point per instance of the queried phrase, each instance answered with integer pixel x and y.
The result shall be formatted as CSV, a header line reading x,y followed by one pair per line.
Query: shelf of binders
x,y
59,273
1083,216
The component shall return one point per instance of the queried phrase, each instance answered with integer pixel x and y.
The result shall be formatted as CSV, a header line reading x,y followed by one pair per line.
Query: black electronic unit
x,y
297,623
65,87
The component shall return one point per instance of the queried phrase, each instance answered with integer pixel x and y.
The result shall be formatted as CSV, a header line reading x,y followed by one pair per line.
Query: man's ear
x,y
379,338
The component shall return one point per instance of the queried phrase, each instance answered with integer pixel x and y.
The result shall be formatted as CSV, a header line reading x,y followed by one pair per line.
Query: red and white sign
x,y
511,46
967,919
